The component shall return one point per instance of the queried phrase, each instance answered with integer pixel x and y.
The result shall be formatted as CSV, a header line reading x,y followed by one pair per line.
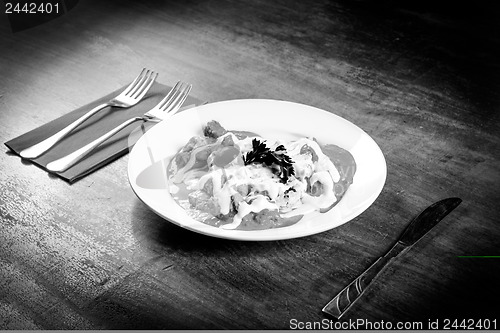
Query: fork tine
x,y
139,84
136,80
179,100
167,99
185,94
144,88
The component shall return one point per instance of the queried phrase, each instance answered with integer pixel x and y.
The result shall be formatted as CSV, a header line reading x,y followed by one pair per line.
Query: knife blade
x,y
417,229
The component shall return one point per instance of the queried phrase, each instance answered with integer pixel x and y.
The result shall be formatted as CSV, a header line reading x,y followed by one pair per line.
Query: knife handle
x,y
348,296
417,228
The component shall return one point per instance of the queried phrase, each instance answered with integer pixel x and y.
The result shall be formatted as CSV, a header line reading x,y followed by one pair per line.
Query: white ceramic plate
x,y
270,119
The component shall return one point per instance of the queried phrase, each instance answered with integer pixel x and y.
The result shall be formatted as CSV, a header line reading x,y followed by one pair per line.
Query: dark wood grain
x,y
421,79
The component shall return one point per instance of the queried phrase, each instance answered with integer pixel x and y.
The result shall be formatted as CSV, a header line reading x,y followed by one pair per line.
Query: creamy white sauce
x,y
266,190
257,205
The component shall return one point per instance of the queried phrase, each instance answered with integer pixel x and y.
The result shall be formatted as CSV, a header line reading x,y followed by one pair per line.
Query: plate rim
x,y
259,235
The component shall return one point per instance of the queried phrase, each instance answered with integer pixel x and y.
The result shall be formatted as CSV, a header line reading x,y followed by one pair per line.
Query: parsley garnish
x,y
279,162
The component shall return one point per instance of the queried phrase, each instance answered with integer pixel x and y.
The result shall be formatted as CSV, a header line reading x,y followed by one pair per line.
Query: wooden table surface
x,y
422,81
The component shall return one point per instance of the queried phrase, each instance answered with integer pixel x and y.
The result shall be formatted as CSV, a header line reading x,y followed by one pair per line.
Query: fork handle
x,y
69,160
41,147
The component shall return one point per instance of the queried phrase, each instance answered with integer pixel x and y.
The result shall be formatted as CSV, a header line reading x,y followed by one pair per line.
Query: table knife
x,y
417,229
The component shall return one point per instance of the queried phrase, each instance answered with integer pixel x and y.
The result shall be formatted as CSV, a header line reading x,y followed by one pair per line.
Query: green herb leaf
x,y
277,160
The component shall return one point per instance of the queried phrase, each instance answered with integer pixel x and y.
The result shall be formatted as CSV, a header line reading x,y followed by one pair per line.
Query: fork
x,y
166,108
129,97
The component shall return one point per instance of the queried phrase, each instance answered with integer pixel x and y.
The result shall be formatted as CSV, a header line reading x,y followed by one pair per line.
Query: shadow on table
x,y
161,235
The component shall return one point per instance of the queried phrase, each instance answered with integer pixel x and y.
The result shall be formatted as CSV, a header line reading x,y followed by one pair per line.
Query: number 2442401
x,y
31,8
470,324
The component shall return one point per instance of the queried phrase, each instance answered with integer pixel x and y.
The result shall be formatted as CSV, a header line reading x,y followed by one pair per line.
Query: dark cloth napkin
x,y
97,125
